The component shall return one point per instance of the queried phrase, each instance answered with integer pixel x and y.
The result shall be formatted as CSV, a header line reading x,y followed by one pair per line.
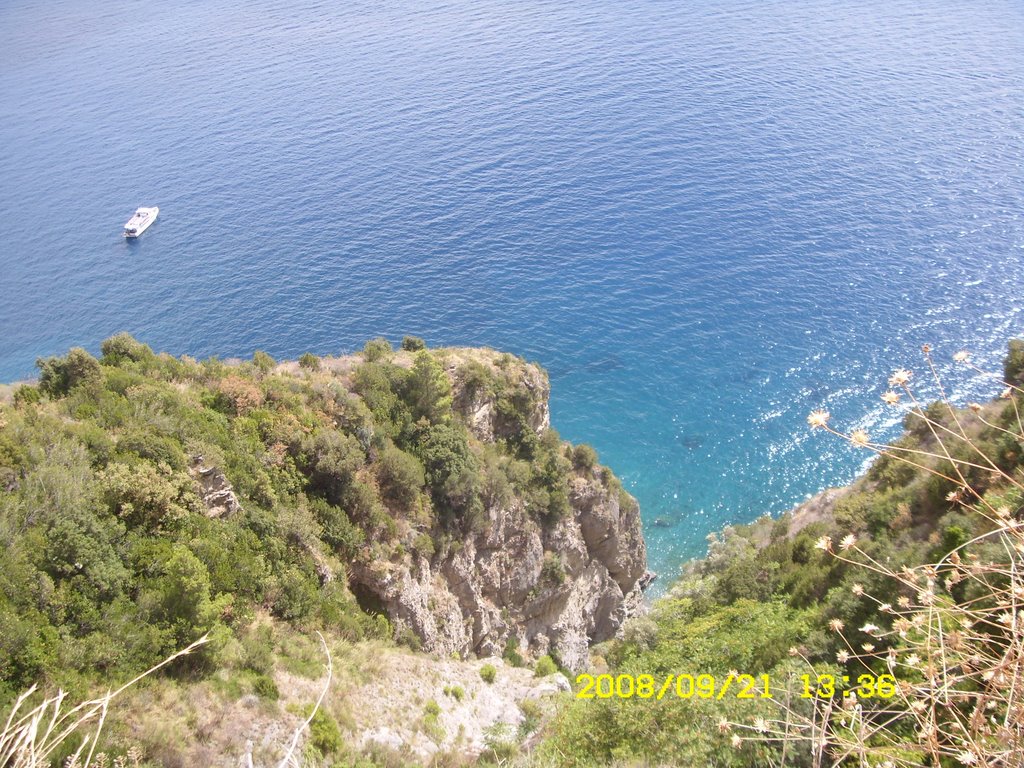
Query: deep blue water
x,y
705,219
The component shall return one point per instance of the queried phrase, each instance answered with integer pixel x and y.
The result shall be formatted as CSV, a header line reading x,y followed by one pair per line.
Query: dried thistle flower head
x,y
926,348
824,544
859,438
974,406
836,625
962,356
848,541
818,418
899,377
890,397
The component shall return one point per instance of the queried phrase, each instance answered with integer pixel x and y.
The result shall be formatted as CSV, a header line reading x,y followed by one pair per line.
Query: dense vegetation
x,y
771,597
112,559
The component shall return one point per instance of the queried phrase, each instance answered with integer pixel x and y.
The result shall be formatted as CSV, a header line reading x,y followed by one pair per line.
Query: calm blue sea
x,y
704,218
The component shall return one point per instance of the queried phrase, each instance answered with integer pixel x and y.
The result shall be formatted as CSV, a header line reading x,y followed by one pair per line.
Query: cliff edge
x,y
519,577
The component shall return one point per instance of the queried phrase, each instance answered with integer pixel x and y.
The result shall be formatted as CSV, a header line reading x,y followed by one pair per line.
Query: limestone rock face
x,y
214,489
549,587
555,589
483,414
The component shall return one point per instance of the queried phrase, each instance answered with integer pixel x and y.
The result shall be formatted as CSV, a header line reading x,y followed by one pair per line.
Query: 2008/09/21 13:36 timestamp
x,y
739,686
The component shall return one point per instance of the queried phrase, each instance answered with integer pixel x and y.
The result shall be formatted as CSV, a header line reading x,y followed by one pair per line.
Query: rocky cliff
x,y
518,580
423,484
153,500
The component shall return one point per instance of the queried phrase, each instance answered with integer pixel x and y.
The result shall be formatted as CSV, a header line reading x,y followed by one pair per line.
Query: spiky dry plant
x,y
33,733
31,736
944,650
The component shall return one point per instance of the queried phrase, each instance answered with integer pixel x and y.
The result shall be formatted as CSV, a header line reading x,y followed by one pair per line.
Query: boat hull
x,y
140,222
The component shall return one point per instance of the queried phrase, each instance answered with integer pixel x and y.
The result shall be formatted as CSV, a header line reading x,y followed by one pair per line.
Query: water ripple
x,y
705,219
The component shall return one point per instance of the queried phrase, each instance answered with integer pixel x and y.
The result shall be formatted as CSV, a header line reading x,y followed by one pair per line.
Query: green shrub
x,y
293,594
532,714
488,673
147,444
461,497
336,457
123,348
495,487
552,569
59,375
444,450
27,394
364,507
641,632
424,544
401,476
511,653
413,343
82,545
266,688
626,501
147,495
309,362
263,362
324,733
337,530
258,650
584,458
455,691
428,390
499,745
407,637
178,594
1013,368
431,721
379,384
476,379
545,666
377,349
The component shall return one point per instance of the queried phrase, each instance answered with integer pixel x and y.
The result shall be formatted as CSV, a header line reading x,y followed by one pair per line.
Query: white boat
x,y
140,222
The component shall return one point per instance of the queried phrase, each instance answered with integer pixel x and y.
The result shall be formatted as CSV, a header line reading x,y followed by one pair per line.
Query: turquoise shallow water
x,y
704,219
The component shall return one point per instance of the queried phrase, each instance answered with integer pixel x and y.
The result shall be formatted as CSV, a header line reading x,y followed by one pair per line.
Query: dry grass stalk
x,y
958,660
31,736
